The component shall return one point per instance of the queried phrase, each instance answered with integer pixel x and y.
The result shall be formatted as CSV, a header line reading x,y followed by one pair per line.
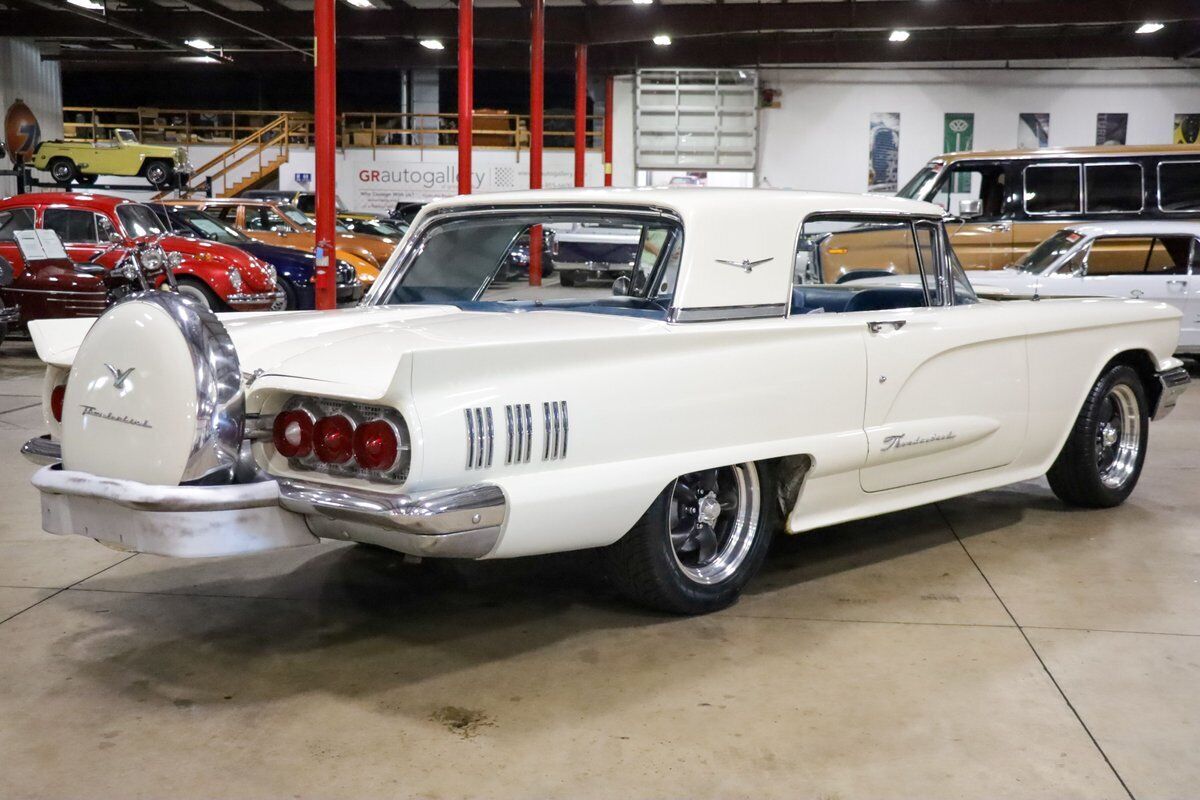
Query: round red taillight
x,y
57,396
333,439
292,434
375,445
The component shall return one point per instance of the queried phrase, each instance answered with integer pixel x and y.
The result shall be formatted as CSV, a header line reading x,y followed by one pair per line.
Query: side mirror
x,y
620,286
969,209
114,237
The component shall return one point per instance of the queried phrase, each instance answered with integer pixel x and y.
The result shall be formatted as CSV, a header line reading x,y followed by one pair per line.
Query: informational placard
x,y
40,245
883,158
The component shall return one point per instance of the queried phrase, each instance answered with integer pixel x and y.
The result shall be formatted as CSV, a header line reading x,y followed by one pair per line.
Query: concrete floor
x,y
999,645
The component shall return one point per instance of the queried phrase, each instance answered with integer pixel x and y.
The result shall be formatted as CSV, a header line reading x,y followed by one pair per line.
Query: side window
x,y
13,220
973,191
928,248
1179,186
1053,189
104,228
1139,255
227,214
73,225
1114,188
862,264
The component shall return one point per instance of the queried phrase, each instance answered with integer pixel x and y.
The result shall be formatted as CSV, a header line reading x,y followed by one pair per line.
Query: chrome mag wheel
x,y
1118,436
713,519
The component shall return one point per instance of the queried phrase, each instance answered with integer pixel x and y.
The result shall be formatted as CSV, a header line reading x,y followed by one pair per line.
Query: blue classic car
x,y
295,269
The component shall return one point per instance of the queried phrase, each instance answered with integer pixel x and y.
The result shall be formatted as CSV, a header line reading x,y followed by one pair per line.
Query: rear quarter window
x,y
1179,186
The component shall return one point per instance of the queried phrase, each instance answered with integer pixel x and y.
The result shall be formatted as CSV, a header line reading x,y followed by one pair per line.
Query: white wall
x,y
24,76
818,139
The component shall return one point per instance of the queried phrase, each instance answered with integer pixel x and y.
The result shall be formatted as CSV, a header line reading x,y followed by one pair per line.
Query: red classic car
x,y
217,275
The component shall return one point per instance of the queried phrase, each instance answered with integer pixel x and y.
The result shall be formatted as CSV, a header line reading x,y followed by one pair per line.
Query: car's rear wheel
x,y
84,179
199,292
159,173
695,548
1101,462
569,278
62,170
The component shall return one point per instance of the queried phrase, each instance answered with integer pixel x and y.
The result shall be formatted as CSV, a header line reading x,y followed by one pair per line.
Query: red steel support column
x,y
325,123
581,120
608,142
466,92
537,58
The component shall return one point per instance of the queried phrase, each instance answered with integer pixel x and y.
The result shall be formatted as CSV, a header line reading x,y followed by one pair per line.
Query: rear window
x,y
1052,189
1179,186
1114,188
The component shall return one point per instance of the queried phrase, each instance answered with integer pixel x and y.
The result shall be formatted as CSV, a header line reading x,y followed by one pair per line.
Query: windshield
x,y
138,220
205,226
1039,258
483,261
296,216
920,183
126,136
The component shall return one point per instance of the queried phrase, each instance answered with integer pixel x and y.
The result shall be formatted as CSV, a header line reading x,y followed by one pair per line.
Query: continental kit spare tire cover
x,y
155,395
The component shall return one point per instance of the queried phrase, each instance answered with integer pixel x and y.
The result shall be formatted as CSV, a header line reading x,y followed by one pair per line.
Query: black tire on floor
x,y
288,294
62,170
1094,469
569,278
86,180
648,568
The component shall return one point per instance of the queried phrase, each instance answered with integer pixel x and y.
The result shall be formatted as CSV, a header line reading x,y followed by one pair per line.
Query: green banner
x,y
959,136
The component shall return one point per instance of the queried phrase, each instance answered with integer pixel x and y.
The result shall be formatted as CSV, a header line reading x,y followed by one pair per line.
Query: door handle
x,y
877,327
999,227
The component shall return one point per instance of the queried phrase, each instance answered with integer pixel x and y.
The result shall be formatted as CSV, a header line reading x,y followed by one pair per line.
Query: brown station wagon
x,y
1010,201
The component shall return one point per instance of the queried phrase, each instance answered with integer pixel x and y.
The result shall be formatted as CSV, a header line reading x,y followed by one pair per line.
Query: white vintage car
x,y
677,424
1151,260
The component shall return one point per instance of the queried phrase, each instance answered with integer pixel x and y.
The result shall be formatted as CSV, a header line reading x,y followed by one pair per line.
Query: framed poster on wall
x,y
1033,131
1111,128
883,157
1187,129
959,137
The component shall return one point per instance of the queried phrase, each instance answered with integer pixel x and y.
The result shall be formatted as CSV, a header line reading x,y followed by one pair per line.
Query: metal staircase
x,y
249,162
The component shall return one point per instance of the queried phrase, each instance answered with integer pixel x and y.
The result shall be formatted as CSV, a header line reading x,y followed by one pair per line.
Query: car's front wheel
x,y
62,170
200,293
285,296
159,173
1102,459
699,543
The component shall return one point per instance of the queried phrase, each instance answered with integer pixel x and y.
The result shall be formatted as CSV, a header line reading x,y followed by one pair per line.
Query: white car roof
x,y
1151,227
704,200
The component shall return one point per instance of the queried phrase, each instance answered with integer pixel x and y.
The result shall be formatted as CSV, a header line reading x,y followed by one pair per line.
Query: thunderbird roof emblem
x,y
119,375
745,263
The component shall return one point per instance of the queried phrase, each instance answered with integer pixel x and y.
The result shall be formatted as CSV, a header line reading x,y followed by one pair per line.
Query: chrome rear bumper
x,y
1172,384
195,521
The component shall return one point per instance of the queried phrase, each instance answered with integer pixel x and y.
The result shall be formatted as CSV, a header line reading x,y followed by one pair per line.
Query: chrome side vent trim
x,y
519,441
557,430
481,436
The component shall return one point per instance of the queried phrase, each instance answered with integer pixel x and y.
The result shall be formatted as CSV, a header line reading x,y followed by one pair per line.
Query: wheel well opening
x,y
1141,362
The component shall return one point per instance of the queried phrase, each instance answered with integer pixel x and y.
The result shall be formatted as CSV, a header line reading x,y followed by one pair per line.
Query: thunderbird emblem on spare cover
x,y
119,375
745,263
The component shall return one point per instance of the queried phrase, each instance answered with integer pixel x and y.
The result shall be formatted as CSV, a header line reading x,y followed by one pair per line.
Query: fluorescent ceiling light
x,y
642,2
662,40
899,36
88,4
432,44
1150,27
199,44
361,3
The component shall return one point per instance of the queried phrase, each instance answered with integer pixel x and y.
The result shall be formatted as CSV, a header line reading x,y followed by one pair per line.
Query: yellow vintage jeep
x,y
124,155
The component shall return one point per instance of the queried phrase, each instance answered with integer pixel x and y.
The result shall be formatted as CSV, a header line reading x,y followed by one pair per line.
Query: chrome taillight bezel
x,y
358,414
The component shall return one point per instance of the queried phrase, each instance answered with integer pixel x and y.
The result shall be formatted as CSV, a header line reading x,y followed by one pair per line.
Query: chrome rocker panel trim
x,y
42,451
449,523
1172,383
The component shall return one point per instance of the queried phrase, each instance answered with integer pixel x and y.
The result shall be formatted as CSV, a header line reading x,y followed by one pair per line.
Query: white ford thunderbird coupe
x,y
677,419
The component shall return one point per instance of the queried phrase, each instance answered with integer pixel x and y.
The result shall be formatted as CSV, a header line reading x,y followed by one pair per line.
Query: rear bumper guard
x,y
201,521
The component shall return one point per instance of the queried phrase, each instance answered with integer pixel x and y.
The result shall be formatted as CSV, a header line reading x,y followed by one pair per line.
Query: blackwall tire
x,y
199,293
158,173
285,296
665,562
86,180
62,170
1102,459
568,278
